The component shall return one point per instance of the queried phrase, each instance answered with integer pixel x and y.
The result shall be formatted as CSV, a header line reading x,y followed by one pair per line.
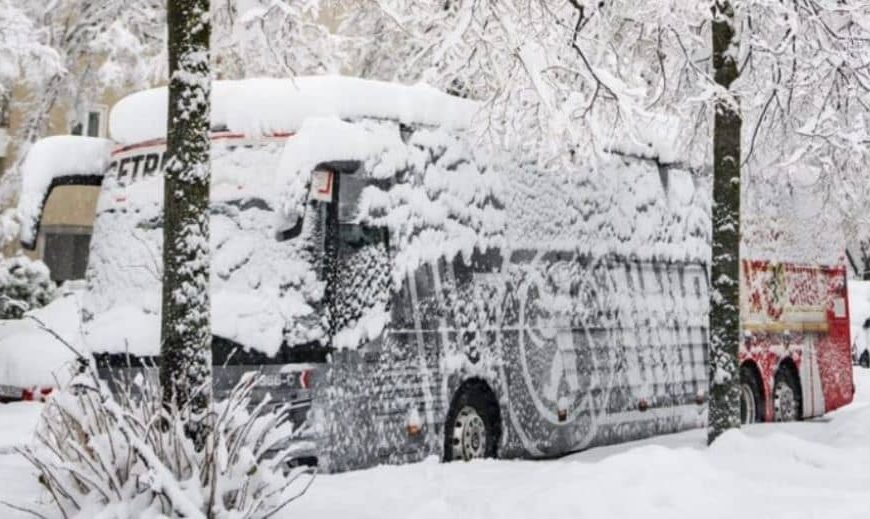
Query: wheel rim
x,y
469,435
748,411
784,403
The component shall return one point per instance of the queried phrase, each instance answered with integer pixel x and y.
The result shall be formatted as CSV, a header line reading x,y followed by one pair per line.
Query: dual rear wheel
x,y
787,403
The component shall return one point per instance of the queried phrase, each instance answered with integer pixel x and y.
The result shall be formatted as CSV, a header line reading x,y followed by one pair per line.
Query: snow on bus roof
x,y
52,160
264,105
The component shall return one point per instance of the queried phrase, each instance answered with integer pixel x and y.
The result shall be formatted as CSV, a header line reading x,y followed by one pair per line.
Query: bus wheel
x,y
472,428
864,359
787,406
751,401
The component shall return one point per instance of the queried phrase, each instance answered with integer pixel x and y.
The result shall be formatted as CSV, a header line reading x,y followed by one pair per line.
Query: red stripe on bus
x,y
214,137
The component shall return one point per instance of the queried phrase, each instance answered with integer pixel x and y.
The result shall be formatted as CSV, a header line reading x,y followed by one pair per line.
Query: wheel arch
x,y
753,367
788,364
754,370
480,386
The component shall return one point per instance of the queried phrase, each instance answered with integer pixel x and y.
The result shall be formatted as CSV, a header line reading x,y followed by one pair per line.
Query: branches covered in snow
x,y
806,82
127,456
559,76
571,78
86,47
277,38
23,50
94,44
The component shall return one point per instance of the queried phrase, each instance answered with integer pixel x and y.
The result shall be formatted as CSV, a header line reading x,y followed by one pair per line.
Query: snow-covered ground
x,y
812,469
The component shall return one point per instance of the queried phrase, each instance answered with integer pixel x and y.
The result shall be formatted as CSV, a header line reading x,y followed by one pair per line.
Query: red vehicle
x,y
795,356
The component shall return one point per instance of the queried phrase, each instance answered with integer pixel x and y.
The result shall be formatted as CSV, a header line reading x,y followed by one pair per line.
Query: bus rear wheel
x,y
787,405
751,399
472,428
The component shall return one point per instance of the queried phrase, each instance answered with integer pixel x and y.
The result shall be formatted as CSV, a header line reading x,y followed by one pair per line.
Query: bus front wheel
x,y
472,428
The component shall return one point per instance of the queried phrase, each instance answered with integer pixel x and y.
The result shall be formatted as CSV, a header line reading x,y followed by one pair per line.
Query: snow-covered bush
x,y
124,455
25,284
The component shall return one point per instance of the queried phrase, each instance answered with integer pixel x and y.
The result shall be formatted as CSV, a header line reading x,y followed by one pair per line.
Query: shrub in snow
x,y
25,284
127,456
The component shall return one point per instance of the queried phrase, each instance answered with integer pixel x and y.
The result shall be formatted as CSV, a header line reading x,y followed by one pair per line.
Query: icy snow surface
x,y
51,158
264,105
813,469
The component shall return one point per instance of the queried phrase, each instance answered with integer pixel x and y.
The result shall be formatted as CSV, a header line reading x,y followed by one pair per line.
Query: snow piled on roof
x,y
439,197
53,158
265,105
611,206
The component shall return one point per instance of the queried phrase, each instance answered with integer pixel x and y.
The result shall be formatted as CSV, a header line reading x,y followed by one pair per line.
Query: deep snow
x,y
812,469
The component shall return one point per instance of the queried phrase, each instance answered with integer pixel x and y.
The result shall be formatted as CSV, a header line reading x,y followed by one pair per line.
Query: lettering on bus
x,y
131,168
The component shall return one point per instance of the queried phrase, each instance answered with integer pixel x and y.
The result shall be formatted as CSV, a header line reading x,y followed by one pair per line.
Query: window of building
x,y
92,123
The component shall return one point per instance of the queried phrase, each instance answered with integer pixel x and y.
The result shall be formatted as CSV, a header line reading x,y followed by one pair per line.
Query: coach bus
x,y
413,295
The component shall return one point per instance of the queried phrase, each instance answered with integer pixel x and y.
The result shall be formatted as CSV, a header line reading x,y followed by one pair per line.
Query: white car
x,y
36,349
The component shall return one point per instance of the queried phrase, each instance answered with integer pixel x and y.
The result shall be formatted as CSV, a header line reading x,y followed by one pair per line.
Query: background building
x,y
64,236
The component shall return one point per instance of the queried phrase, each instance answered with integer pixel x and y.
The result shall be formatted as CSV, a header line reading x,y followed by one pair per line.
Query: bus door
x,y
357,268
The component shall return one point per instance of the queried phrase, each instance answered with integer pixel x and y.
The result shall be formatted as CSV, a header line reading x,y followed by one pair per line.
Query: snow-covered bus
x,y
409,293
795,357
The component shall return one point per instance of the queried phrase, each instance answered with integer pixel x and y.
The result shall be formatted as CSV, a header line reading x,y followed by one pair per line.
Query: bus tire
x,y
864,359
473,426
751,397
787,402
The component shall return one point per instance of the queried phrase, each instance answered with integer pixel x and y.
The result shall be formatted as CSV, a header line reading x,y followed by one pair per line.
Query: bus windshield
x,y
264,292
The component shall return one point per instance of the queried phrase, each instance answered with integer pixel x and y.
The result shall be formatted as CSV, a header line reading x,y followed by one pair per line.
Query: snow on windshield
x,y
263,106
49,160
259,285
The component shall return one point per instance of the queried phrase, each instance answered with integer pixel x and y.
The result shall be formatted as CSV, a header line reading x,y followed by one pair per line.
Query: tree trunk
x,y
185,348
724,408
864,247
4,127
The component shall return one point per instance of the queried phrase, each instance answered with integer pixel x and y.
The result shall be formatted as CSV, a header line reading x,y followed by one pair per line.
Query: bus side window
x,y
401,306
424,283
462,270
